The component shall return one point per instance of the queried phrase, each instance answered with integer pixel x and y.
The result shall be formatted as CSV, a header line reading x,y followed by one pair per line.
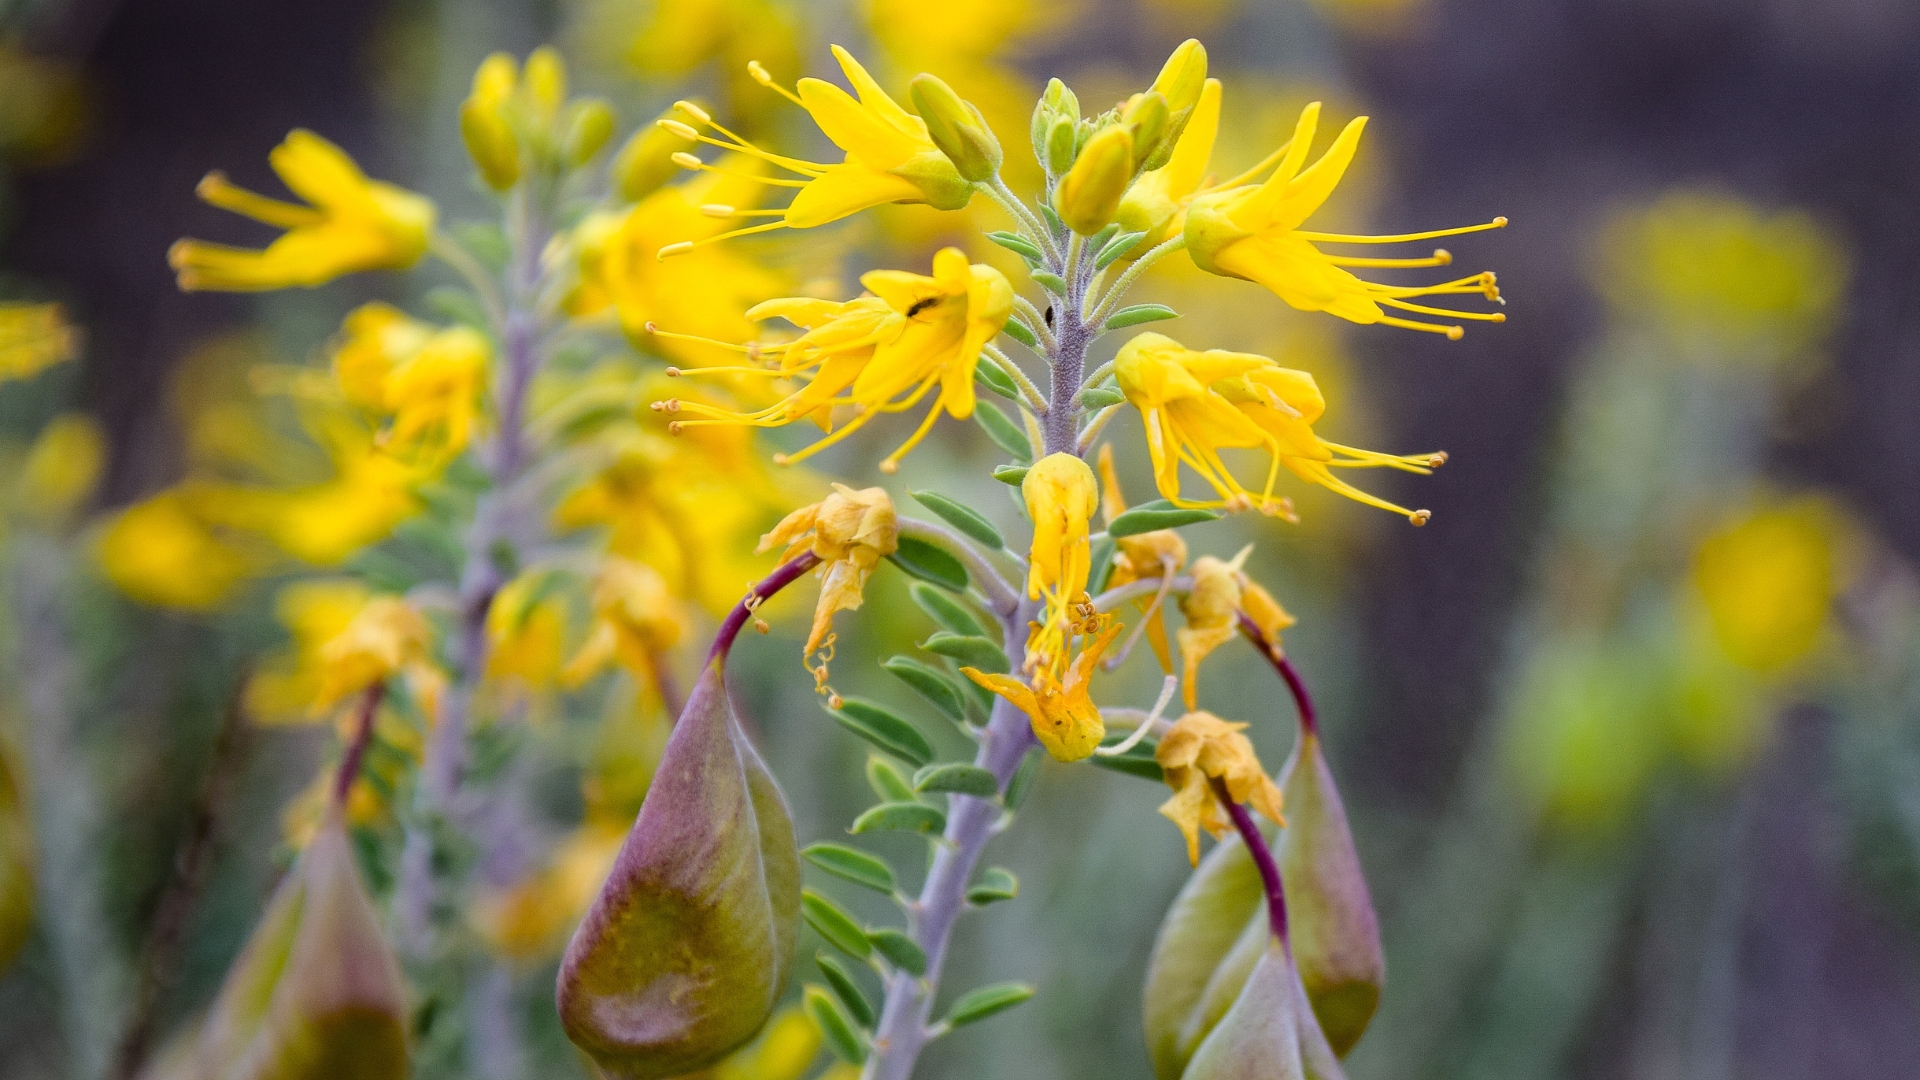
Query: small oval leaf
x,y
1139,313
1023,778
995,884
896,946
1011,475
929,563
933,685
1005,434
1050,281
984,1002
1116,248
847,1041
900,817
849,864
1100,398
883,729
1137,761
969,650
962,517
858,1005
996,380
956,778
1016,243
834,925
950,613
887,781
1019,332
1134,522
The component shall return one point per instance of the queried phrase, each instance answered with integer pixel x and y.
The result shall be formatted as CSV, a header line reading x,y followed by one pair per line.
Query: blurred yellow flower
x,y
1200,748
1769,580
62,467
531,920
681,36
384,638
314,612
325,523
850,532
526,631
1253,232
636,620
33,337
164,552
430,380
353,224
923,332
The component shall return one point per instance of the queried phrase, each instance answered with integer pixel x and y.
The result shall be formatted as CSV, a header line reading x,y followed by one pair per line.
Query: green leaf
x,y
1023,778
900,817
1137,761
929,563
951,614
957,778
1100,397
1018,331
1145,520
1051,217
1098,240
1101,565
847,1042
990,376
935,686
995,884
849,864
883,729
896,946
1050,281
1116,248
887,781
969,650
1005,434
844,988
1013,475
984,1002
835,925
1017,244
458,305
485,240
1137,314
960,516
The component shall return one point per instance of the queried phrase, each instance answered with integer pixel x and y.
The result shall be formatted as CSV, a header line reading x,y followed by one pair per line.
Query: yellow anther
x,y
685,160
696,112
671,250
673,373
718,210
761,625
674,428
652,327
677,128
1420,517
1436,459
1442,257
764,78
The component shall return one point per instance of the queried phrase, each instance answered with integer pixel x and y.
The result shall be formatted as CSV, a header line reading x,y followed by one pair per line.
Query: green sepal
x,y
1136,314
851,864
847,1042
995,884
984,1002
834,925
1005,434
888,782
1116,248
1099,397
929,563
1017,244
900,817
848,991
969,650
897,947
956,778
962,517
934,685
1156,515
1011,475
883,729
942,608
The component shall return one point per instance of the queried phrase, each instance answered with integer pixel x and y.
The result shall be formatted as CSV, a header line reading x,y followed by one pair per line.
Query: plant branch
x,y
736,619
362,737
1135,590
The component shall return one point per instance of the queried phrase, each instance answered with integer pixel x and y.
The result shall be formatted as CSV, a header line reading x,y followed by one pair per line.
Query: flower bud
x,y
646,162
683,954
590,124
1150,122
1062,143
546,76
1182,76
1060,100
316,993
483,123
957,128
1091,191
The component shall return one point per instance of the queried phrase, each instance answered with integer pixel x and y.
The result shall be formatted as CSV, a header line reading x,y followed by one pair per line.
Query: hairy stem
x,y
736,619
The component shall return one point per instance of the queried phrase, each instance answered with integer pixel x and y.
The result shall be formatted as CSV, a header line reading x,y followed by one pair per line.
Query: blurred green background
x,y
1630,732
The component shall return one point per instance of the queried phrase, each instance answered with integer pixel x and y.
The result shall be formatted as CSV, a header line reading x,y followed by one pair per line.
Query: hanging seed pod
x,y
316,993
1270,1032
683,955
1332,929
1213,912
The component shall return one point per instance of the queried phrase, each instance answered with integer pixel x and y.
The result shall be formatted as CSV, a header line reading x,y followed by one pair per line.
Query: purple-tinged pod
x,y
1331,927
682,956
1269,1033
316,993
1219,906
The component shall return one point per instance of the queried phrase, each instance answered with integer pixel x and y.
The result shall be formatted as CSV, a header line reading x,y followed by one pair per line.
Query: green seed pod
x,y
1269,1032
683,955
16,867
1208,918
316,993
956,127
590,124
1331,925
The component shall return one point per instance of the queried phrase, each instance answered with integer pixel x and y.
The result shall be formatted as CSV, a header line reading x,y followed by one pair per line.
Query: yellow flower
x,y
33,337
326,522
526,626
62,467
385,638
883,352
1064,716
1253,232
1148,556
1157,202
1769,581
1221,593
703,293
353,224
1186,420
164,552
784,1051
530,920
314,613
1202,747
1061,496
890,157
636,620
850,531
429,380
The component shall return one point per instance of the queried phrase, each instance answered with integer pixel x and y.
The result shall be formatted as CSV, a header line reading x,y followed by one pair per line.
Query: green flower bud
x,y
16,868
1088,195
645,163
683,954
590,125
957,128
1063,143
1148,119
1060,101
316,993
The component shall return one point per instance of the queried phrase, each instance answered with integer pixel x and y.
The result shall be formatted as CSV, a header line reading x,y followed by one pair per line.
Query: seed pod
x,y
316,993
1222,898
682,956
1331,926
1269,1032
1091,191
16,868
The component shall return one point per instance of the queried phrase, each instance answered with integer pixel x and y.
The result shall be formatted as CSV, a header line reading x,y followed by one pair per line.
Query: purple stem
x,y
1262,858
357,747
1309,720
737,618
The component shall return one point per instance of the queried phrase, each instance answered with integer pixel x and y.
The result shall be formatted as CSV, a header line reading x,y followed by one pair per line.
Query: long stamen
x,y
722,210
1422,309
765,78
1441,257
1402,238
751,349
1452,333
685,246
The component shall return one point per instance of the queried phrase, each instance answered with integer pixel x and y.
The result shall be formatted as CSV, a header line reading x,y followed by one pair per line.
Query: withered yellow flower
x,y
850,532
386,637
1252,231
1061,496
881,354
1221,593
1202,747
1058,701
636,619
353,224
33,337
890,157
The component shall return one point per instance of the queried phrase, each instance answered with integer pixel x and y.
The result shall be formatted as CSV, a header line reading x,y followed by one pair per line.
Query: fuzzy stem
x,y
1105,306
1302,701
1262,858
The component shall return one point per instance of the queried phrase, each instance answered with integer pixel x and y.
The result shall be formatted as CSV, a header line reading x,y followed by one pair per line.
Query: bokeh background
x,y
1630,731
